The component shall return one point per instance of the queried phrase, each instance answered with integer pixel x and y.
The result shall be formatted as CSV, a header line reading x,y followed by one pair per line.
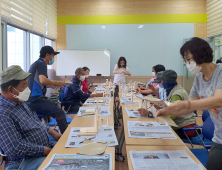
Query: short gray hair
x,y
79,70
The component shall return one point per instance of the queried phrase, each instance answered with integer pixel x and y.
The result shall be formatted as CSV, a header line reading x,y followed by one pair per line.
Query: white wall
x,y
143,48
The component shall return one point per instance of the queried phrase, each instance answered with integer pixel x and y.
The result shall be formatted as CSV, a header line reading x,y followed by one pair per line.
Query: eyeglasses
x,y
185,61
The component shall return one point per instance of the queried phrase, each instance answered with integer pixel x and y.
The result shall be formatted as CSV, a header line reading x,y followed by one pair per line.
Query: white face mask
x,y
24,95
82,78
153,73
193,68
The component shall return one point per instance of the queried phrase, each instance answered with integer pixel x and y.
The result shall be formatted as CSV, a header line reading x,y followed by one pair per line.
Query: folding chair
x,y
207,133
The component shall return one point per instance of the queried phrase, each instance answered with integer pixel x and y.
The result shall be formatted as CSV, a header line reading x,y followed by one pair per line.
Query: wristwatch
x,y
150,114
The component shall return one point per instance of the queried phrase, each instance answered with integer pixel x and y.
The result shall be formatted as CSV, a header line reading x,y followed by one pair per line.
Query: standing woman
x,y
206,93
120,71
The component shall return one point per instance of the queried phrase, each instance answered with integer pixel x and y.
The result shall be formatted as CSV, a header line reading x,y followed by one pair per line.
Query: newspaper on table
x,y
163,160
83,110
134,95
143,129
79,162
133,112
92,101
105,134
128,101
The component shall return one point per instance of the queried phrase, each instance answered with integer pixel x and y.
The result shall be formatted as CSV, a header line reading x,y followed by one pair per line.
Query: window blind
x,y
35,15
214,17
51,12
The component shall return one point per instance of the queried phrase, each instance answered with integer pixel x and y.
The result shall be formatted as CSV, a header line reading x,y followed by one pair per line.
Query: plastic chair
x,y
206,136
207,132
205,115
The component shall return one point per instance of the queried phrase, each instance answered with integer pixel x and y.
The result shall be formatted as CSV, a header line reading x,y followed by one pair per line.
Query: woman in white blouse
x,y
120,71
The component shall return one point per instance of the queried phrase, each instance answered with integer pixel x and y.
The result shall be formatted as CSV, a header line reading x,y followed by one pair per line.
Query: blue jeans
x,y
29,164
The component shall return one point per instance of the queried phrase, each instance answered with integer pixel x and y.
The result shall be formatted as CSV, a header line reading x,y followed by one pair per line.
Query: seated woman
x,y
84,85
173,92
146,90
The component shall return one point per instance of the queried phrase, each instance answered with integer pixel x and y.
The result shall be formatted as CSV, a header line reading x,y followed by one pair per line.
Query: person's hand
x,y
54,134
126,73
47,150
138,91
80,103
163,112
177,106
143,112
60,83
151,87
122,72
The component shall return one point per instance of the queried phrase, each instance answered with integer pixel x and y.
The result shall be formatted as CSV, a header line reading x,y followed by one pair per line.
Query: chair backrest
x,y
63,88
61,97
205,115
208,129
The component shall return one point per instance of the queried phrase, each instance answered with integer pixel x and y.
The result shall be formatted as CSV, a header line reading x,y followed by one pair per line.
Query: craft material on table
x,y
90,111
105,134
90,147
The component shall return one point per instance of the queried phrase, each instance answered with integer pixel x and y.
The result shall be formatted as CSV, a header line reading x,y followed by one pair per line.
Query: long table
x,y
59,148
139,144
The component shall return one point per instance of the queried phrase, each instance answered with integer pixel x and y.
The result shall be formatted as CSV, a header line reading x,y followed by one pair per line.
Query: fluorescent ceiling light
x,y
103,27
141,26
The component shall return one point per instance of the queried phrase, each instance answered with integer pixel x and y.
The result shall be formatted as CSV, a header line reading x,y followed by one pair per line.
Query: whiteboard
x,y
98,61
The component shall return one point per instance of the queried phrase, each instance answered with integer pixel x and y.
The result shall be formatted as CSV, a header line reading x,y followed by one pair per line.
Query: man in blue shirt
x,y
22,135
38,82
73,95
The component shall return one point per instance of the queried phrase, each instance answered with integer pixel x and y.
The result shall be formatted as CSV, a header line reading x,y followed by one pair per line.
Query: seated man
x,y
146,90
173,92
73,96
22,135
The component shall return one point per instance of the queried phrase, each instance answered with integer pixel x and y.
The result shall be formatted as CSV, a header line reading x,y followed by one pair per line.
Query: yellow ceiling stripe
x,y
132,19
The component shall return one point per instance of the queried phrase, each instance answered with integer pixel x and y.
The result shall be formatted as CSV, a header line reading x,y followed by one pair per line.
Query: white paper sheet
x,y
92,101
127,101
106,134
135,113
142,129
163,160
79,162
134,96
104,111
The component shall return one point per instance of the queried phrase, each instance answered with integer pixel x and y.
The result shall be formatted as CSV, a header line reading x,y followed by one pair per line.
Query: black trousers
x,y
214,161
44,106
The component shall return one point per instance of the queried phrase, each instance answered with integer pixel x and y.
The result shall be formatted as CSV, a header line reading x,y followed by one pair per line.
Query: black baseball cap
x,y
47,50
158,78
169,75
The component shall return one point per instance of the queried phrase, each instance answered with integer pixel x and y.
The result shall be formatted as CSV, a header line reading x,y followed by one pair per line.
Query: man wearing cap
x,y
74,97
173,92
38,82
22,135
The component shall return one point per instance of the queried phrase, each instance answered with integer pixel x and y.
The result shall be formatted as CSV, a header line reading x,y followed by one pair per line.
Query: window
x,y
35,46
48,42
15,46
